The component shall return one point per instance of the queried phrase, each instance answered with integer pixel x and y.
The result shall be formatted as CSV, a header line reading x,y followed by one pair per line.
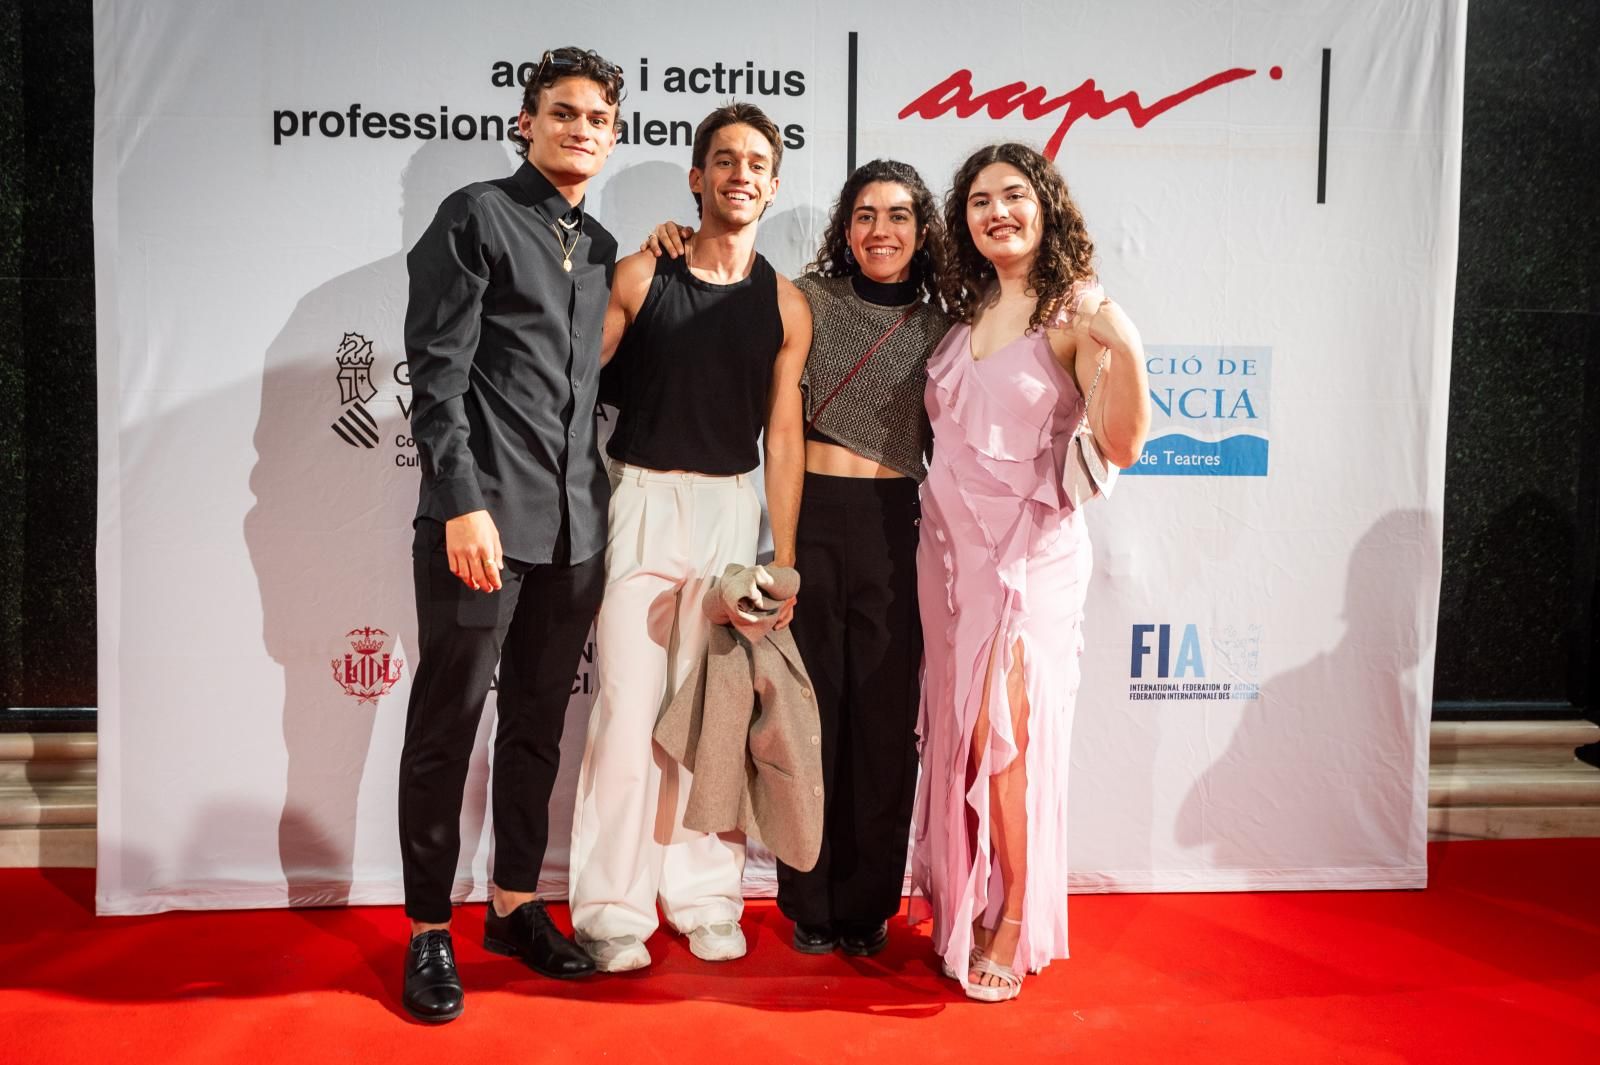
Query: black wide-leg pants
x,y
534,629
859,632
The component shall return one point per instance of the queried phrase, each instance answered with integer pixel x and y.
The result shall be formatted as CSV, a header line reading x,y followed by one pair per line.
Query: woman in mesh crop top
x,y
872,289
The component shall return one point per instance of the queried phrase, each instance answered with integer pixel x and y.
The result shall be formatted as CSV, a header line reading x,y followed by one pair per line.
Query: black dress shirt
x,y
503,346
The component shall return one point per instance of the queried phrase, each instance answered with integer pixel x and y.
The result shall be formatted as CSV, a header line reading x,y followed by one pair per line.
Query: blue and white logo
x,y
1173,663
1209,411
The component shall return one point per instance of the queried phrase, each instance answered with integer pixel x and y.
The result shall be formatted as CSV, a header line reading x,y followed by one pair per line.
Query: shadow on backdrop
x,y
331,527
1268,793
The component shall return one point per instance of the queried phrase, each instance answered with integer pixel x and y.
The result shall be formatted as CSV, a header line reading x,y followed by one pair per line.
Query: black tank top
x,y
692,373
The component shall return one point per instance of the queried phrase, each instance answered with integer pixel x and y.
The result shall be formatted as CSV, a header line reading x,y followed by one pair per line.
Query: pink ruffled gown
x,y
1002,556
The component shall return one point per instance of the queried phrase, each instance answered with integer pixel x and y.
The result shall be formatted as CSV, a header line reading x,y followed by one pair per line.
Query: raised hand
x,y
668,238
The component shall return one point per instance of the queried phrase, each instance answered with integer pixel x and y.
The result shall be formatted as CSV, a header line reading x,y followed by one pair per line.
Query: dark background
x,y
1517,632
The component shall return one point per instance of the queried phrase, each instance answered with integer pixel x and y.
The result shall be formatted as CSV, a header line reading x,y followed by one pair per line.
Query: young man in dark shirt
x,y
712,358
509,288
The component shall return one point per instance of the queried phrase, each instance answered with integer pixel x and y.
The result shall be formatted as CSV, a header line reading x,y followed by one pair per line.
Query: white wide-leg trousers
x,y
671,536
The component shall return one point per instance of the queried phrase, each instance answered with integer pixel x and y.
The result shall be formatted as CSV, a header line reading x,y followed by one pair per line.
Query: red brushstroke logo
x,y
1086,101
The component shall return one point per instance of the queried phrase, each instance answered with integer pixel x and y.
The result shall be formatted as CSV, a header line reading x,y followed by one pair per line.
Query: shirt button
x,y
580,286
817,790
573,434
816,741
576,333
805,693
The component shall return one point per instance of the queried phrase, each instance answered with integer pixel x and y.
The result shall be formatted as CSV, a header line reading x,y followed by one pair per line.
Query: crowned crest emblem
x,y
368,671
356,426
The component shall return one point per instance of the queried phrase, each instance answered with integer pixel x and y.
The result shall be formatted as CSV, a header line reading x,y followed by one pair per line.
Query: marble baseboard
x,y
69,847
1513,822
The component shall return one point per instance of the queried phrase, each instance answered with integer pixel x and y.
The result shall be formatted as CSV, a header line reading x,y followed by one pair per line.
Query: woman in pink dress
x,y
1003,562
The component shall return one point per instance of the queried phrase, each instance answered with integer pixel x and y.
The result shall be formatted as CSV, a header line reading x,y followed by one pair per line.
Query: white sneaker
x,y
618,955
718,941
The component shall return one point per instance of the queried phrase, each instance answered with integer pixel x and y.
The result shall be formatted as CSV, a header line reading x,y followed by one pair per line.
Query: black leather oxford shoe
x,y
433,990
528,933
865,942
814,939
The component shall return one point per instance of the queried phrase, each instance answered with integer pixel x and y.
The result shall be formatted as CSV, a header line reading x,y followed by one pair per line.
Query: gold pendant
x,y
566,264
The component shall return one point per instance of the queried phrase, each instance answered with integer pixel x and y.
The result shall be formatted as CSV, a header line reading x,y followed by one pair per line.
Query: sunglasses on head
x,y
568,61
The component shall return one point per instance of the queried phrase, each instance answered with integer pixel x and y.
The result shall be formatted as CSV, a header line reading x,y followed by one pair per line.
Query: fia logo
x,y
367,672
1170,663
356,426
1189,662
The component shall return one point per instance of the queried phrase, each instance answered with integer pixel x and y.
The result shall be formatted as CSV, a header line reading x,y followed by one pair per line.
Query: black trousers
x,y
858,629
534,629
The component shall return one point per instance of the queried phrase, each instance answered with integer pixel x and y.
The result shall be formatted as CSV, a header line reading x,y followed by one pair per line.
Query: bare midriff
x,y
831,460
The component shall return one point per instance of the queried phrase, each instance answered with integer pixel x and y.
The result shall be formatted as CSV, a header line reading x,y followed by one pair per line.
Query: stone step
x,y
1574,784
32,804
41,771
1512,822
60,847
1508,743
48,746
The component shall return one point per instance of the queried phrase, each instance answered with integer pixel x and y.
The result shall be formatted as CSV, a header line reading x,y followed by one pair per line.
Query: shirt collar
x,y
543,195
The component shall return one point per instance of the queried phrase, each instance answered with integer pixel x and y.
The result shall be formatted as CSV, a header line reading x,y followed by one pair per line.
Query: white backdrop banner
x,y
1273,190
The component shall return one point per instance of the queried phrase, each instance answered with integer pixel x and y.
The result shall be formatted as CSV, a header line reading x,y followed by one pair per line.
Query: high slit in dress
x,y
1002,557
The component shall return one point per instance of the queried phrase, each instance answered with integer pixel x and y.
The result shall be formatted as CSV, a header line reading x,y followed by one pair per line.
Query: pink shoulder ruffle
x,y
1067,309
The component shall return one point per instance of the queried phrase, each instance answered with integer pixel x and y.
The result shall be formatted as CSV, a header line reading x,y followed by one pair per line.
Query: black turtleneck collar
x,y
890,294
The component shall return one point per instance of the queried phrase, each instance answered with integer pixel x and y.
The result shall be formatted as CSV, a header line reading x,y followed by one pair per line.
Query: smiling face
x,y
1003,215
573,132
738,180
884,234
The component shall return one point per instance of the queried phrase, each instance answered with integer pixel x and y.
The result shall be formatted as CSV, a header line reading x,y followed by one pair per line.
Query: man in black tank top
x,y
712,347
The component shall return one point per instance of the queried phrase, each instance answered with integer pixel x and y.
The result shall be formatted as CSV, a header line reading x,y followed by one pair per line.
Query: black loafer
x,y
864,944
814,939
433,990
528,933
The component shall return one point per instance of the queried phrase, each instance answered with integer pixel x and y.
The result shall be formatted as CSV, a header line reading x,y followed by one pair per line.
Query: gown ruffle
x,y
1002,557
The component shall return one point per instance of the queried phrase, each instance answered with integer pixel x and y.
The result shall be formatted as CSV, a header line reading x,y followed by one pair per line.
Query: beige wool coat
x,y
745,724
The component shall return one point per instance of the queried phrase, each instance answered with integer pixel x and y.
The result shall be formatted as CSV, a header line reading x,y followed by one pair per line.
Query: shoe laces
x,y
434,949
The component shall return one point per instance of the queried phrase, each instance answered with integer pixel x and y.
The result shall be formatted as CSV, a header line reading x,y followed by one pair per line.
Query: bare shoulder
x,y
631,282
632,269
792,303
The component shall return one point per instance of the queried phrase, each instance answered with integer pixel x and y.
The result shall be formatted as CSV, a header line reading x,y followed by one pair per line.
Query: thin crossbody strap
x,y
859,363
1105,357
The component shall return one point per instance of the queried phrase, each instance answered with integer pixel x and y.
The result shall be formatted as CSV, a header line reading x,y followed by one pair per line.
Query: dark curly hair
x,y
560,63
1065,251
928,265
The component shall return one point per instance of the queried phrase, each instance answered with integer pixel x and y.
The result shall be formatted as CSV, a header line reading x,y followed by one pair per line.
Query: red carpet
x,y
1498,961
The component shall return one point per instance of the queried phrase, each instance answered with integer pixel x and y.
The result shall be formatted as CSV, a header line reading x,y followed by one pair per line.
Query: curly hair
x,y
560,63
928,264
1065,251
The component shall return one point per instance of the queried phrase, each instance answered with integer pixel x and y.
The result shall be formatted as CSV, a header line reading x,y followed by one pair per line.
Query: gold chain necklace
x,y
567,249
